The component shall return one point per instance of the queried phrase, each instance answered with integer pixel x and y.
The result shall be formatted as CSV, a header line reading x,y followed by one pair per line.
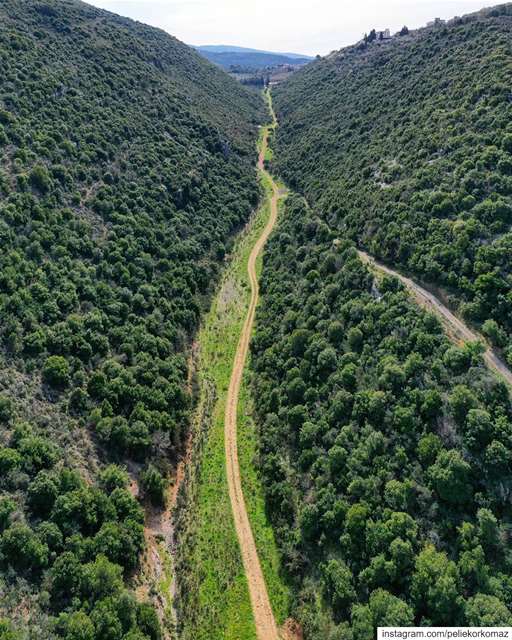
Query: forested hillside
x,y
405,146
384,448
126,162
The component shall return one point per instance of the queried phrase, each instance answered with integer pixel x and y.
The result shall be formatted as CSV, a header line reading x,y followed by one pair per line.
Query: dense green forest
x,y
384,448
405,146
126,164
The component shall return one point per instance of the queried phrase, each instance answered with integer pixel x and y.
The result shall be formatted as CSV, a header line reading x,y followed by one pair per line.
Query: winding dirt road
x,y
266,628
456,328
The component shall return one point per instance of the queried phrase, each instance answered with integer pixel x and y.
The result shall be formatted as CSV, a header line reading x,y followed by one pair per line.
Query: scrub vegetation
x,y
127,164
385,446
405,147
385,449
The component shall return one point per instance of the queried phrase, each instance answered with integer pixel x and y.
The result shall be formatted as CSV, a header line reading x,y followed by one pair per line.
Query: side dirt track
x,y
454,326
266,628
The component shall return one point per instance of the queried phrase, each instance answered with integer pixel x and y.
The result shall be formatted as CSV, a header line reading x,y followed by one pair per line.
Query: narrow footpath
x,y
454,326
266,628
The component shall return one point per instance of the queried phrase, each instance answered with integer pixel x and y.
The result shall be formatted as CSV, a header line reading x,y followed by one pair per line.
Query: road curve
x,y
265,623
456,328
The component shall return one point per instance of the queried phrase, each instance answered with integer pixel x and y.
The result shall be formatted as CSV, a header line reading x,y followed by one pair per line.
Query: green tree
x,y
113,477
154,485
148,622
42,493
462,400
382,610
336,333
494,333
428,448
56,371
40,178
10,459
106,620
102,578
478,428
451,477
355,338
22,549
485,610
76,626
339,584
7,508
435,587
7,632
37,453
6,409
488,529
66,578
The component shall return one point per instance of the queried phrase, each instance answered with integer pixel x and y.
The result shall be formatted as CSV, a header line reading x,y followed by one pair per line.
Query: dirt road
x,y
455,327
266,628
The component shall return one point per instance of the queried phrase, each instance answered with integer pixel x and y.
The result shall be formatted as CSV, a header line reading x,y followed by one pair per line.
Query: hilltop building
x,y
436,22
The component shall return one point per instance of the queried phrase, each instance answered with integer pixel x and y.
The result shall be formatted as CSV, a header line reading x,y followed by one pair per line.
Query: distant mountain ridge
x,y
227,56
223,48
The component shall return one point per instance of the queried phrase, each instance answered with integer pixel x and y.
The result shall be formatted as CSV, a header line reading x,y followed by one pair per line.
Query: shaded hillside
x,y
126,162
385,449
405,146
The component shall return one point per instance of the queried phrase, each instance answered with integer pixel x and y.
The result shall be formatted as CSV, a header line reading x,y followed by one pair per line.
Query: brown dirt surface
x,y
456,329
291,630
266,628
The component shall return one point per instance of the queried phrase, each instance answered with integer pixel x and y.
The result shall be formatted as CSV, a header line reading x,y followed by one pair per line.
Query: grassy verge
x,y
278,591
214,602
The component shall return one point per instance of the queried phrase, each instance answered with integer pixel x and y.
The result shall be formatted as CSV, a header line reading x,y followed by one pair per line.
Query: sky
x,y
299,26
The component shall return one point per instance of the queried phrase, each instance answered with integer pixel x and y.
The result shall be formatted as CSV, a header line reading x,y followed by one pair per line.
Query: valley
x,y
255,347
266,628
254,68
225,568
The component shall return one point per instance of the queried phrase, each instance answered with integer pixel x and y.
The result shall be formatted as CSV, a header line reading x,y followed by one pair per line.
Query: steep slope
x,y
405,146
385,449
385,443
126,164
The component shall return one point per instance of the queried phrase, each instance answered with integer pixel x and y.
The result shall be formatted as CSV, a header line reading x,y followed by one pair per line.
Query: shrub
x,y
339,584
40,178
7,508
22,549
450,476
56,371
37,453
6,409
9,459
154,485
42,493
113,477
7,632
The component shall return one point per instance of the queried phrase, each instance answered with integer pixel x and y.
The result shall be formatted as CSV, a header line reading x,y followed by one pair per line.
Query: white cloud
x,y
304,26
